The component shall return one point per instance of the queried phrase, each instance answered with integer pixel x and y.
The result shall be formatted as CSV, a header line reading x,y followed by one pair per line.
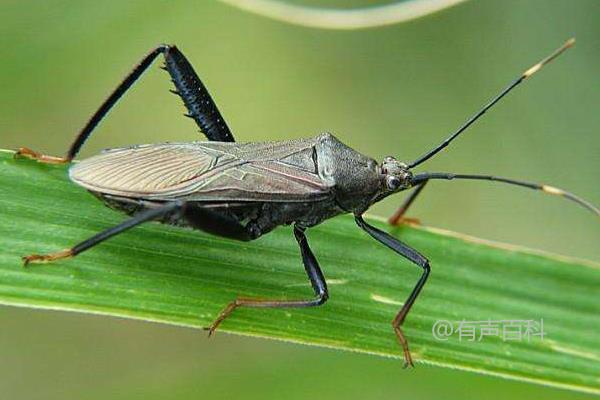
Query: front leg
x,y
413,256
200,105
398,218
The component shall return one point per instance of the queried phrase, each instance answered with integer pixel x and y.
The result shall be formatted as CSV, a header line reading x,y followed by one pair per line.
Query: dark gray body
x,y
237,190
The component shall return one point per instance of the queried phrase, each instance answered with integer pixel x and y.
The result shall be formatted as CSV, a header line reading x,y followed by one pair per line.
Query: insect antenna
x,y
420,178
489,105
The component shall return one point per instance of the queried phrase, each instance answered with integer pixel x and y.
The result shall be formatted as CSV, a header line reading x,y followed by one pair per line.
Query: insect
x,y
244,190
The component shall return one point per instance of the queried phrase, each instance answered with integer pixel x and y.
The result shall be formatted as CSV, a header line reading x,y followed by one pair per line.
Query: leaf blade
x,y
169,275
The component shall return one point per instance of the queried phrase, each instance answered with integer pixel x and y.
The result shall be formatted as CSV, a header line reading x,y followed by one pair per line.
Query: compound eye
x,y
393,183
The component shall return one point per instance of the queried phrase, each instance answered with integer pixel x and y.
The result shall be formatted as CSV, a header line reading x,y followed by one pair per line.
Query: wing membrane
x,y
206,171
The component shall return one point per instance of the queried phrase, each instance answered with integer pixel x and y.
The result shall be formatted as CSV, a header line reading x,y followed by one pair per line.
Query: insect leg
x,y
195,96
317,280
413,256
398,216
144,216
200,105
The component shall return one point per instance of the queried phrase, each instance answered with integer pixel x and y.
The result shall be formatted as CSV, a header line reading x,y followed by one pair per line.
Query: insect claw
x,y
26,260
188,115
175,92
408,362
210,330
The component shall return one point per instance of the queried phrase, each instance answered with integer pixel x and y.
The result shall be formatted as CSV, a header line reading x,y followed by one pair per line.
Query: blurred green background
x,y
396,90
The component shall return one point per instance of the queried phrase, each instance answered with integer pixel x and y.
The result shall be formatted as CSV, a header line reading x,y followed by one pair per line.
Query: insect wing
x,y
206,171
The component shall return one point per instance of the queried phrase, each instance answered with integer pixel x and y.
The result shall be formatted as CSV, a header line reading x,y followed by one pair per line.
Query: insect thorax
x,y
355,178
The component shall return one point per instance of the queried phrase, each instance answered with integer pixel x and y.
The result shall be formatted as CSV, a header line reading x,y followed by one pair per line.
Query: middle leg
x,y
317,281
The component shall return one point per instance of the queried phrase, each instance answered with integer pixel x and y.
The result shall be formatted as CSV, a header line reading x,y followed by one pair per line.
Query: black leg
x,y
195,96
144,216
398,216
413,256
314,273
201,107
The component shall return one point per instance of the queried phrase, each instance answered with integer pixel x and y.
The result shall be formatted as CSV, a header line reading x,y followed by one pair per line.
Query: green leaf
x,y
176,276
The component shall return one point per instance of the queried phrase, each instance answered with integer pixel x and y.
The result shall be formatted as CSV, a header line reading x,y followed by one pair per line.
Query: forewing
x,y
201,172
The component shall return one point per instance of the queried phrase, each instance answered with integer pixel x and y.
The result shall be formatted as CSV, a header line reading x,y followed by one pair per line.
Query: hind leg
x,y
201,107
140,218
